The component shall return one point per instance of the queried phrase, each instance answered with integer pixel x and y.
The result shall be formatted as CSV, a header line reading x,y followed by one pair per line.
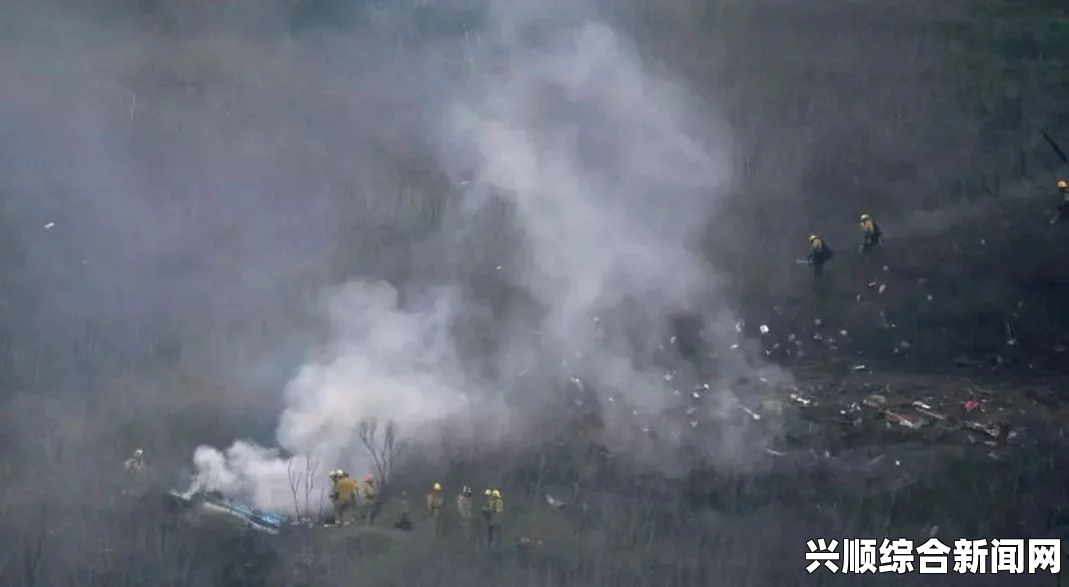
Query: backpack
x,y
828,253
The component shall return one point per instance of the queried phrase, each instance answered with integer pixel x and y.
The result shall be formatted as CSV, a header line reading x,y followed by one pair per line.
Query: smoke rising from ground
x,y
607,173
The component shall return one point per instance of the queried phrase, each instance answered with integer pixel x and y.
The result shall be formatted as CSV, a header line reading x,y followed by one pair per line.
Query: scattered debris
x,y
752,413
971,405
905,421
875,401
50,225
990,430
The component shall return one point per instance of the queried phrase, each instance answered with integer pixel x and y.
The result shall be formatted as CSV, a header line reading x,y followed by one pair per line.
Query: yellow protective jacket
x,y
818,251
1065,195
367,491
494,506
345,491
434,501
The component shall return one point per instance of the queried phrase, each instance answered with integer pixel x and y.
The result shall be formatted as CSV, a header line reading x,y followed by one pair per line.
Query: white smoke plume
x,y
383,363
610,173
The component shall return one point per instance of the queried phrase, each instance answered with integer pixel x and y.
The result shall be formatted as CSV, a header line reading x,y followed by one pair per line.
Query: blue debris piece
x,y
252,517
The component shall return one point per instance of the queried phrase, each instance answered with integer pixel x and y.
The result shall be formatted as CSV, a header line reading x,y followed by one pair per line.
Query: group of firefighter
x,y
355,502
820,253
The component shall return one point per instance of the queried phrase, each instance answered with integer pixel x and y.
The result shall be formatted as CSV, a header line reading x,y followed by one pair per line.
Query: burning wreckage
x,y
840,412
213,503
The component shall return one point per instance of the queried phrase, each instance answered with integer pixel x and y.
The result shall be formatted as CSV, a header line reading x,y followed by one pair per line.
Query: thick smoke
x,y
607,174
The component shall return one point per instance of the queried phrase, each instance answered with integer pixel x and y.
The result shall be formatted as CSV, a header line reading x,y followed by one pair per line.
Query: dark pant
x,y
818,268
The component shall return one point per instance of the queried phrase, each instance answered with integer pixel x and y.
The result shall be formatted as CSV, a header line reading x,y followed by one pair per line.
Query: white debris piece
x,y
775,453
843,332
859,367
930,298
752,413
883,288
739,325
763,328
886,268
817,322
695,395
49,225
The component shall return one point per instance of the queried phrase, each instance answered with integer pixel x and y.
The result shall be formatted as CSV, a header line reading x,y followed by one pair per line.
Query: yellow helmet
x,y
1062,184
496,493
334,474
813,237
488,492
437,486
865,217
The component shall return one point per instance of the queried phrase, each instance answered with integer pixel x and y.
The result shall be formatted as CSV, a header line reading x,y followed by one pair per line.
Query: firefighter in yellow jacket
x,y
1063,202
493,510
369,497
343,494
871,235
819,254
435,501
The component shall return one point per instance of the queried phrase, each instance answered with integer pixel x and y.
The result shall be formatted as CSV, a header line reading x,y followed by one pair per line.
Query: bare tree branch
x,y
383,449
